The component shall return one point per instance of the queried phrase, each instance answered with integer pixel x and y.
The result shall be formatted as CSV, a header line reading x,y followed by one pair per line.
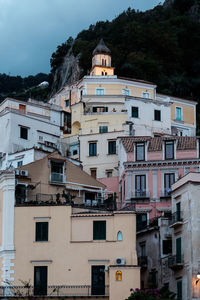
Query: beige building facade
x,y
58,248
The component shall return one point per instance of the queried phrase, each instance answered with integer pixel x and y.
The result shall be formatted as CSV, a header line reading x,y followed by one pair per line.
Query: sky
x,y
31,30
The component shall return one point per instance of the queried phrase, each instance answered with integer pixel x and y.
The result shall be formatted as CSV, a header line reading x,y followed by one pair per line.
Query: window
x,y
118,275
109,174
140,152
103,129
178,113
167,246
93,173
169,179
141,223
97,109
179,289
57,171
126,92
66,103
135,112
22,109
111,147
99,230
119,236
20,163
75,152
143,249
99,91
140,185
157,115
146,95
92,149
41,232
24,133
169,150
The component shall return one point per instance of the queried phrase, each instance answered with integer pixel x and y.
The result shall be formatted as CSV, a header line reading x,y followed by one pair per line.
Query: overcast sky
x,y
31,30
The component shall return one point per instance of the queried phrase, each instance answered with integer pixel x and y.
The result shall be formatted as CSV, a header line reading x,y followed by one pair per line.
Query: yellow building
x,y
52,246
104,106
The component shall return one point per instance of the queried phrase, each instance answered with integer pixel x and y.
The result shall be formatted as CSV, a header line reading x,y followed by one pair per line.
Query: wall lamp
x,y
198,277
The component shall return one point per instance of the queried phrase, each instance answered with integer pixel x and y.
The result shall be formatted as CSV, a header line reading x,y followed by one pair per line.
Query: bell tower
x,y
101,61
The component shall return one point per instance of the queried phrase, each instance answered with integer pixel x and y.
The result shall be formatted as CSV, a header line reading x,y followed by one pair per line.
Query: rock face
x,y
168,3
67,73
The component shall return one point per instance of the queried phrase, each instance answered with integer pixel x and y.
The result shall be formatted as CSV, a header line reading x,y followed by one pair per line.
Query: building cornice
x,y
160,164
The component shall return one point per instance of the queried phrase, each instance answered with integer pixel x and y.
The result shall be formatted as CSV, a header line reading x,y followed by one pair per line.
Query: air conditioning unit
x,y
23,173
120,261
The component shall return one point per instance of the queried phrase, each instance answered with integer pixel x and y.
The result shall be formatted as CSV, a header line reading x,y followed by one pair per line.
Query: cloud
x,y
30,30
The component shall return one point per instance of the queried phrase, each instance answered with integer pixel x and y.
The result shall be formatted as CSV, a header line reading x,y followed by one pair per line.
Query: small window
x,y
99,91
119,236
66,103
140,152
179,113
24,133
99,230
146,95
93,173
57,171
167,246
109,174
20,163
103,129
135,112
75,152
111,147
157,115
169,150
126,92
41,234
118,275
92,149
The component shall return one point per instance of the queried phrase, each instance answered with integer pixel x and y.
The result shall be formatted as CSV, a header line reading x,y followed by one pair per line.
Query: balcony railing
x,y
140,195
175,261
54,291
57,177
165,193
176,219
142,261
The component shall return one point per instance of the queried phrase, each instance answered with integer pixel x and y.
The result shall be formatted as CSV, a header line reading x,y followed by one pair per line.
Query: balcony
x,y
51,291
176,219
141,196
165,194
143,262
175,262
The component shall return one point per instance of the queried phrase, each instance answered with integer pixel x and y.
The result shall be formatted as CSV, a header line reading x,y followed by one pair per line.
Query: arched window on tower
x,y
118,275
102,62
119,236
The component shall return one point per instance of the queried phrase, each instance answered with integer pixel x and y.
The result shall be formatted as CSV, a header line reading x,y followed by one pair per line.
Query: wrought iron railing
x,y
176,217
166,192
54,290
175,260
140,194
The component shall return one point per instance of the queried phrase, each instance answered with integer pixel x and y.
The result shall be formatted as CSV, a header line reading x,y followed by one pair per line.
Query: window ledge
x,y
93,155
36,242
57,183
109,154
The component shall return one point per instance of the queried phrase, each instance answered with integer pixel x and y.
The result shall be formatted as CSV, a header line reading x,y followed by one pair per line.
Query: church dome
x,y
101,48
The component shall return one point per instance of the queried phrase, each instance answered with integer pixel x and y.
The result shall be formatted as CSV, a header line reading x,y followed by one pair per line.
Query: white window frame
x,y
181,109
146,95
101,94
126,92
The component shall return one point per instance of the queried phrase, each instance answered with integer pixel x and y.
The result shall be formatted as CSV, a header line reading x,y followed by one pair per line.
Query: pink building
x,y
148,166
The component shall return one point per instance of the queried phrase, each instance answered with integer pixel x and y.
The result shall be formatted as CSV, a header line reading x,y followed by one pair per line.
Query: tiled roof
x,y
155,144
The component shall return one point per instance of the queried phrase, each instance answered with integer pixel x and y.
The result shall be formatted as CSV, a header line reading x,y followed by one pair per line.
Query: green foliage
x,y
153,294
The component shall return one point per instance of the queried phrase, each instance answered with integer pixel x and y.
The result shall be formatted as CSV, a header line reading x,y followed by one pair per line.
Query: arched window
x,y
102,62
119,236
105,62
106,73
118,275
102,73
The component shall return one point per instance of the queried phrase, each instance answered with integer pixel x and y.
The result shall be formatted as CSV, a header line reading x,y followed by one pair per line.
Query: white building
x,y
185,259
29,124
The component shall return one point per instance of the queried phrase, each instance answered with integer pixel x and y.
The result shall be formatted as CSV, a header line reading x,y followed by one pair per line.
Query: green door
x,y
178,251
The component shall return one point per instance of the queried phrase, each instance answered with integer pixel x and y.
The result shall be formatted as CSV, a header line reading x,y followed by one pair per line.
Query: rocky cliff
x,y
69,71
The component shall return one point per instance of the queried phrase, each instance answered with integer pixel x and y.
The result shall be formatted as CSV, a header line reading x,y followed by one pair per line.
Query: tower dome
x,y
101,61
101,48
